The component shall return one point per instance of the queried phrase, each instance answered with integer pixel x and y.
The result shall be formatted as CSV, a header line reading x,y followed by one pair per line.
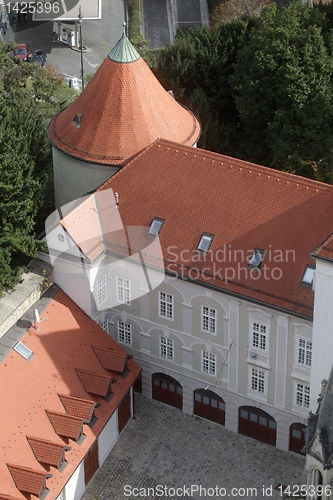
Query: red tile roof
x,y
325,250
124,109
94,383
65,425
28,480
111,360
28,388
47,452
245,206
78,407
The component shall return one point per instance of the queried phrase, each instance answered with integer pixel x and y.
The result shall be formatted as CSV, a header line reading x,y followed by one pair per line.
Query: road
x,y
98,35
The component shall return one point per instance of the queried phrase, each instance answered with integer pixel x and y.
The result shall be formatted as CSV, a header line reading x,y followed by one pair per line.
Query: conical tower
x,y
121,111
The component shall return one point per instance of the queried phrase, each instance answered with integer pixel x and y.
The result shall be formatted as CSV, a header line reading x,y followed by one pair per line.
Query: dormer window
x,y
308,275
257,258
77,120
205,242
155,226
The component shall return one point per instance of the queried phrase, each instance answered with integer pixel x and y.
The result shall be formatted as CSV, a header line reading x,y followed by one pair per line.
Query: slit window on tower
x,y
257,258
155,226
308,275
77,120
205,242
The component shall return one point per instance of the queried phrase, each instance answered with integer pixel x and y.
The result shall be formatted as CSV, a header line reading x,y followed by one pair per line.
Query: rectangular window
x,y
166,348
124,333
258,380
304,352
101,290
166,305
302,395
208,363
259,336
209,320
104,325
123,290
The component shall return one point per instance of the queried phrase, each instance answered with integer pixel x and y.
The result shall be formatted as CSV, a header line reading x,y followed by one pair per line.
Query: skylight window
x,y
205,242
23,350
257,258
155,226
308,275
77,120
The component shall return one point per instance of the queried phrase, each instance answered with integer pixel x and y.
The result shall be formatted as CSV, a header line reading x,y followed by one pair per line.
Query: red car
x,y
23,51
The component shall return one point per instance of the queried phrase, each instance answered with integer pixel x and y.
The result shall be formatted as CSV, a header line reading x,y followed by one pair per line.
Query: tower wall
x,y
74,178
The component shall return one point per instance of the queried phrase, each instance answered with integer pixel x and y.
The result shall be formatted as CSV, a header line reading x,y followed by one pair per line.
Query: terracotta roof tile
x,y
28,480
124,109
110,359
47,452
65,425
94,383
325,250
27,389
78,407
8,497
245,206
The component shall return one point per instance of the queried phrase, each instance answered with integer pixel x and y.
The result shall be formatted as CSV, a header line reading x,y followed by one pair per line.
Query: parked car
x,y
23,52
39,57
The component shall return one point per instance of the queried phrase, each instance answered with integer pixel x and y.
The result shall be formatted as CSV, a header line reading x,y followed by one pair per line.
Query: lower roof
x,y
45,407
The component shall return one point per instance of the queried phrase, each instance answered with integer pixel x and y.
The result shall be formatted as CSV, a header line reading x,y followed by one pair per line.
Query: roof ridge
x,y
238,161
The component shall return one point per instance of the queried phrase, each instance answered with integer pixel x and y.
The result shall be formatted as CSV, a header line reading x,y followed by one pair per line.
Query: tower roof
x,y
122,110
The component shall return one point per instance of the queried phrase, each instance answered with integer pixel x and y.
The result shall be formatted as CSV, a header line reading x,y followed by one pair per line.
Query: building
x,y
67,392
228,333
319,445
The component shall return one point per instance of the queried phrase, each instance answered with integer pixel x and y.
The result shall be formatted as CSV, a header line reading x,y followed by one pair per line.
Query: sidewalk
x,y
165,447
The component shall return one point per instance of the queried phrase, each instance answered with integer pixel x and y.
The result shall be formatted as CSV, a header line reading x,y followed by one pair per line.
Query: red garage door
x,y
167,390
209,405
297,437
91,463
257,424
124,412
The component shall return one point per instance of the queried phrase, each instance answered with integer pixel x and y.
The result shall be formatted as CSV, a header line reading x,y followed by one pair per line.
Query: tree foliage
x,y
29,95
261,86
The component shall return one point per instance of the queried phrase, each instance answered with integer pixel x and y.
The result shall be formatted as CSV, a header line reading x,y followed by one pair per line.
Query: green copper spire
x,y
123,51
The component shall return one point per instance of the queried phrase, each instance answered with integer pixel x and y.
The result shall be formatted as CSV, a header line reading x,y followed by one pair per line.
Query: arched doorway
x,y
167,390
297,437
209,405
257,424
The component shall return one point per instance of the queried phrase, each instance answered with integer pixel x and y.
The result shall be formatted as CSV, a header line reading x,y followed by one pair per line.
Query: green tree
x,y
197,68
29,96
283,85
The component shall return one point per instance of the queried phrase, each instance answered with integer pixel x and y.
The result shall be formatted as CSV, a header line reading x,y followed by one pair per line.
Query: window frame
x,y
258,382
124,291
261,337
102,292
168,306
124,337
302,395
257,251
209,319
167,348
155,233
205,237
304,352
210,359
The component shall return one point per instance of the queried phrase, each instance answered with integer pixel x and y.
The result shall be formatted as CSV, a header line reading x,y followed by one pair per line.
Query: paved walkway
x,y
165,447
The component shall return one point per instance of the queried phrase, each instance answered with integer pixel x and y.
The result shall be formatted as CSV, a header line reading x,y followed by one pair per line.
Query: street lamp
x,y
80,16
